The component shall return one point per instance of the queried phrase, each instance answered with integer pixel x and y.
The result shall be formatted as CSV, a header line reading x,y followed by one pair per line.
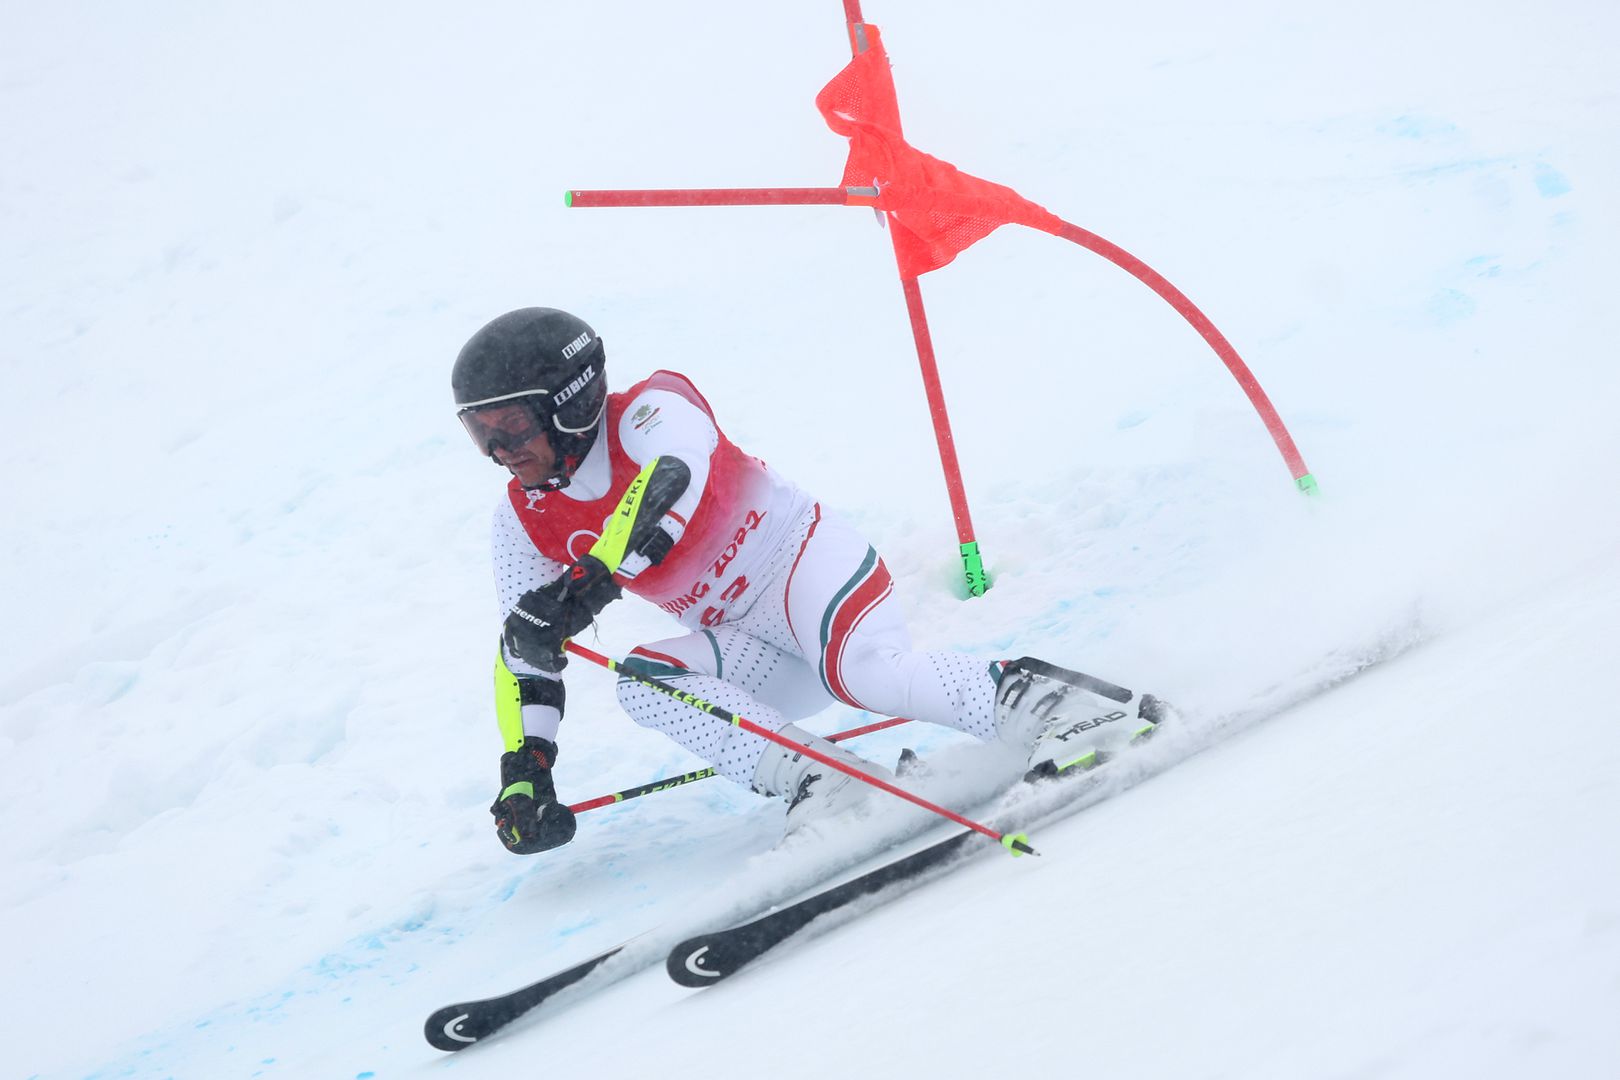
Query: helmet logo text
x,y
577,344
581,381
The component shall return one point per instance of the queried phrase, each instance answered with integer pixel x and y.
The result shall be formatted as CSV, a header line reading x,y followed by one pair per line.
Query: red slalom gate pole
x,y
1016,843
852,17
972,561
655,786
973,574
1212,337
799,196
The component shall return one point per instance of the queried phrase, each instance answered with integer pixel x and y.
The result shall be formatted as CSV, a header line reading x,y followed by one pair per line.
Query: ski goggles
x,y
505,425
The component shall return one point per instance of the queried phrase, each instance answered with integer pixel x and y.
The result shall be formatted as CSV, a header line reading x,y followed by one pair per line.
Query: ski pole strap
x,y
1017,844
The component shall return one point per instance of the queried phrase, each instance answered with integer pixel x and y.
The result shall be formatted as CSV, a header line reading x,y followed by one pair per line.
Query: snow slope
x,y
244,731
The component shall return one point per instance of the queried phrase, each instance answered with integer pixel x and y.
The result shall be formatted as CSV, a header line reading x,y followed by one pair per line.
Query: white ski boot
x,y
1069,722
813,791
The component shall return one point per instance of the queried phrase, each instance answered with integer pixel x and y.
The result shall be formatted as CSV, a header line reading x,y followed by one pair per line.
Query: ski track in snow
x,y
244,729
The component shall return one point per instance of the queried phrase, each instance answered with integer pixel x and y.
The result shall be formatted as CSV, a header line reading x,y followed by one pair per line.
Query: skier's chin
x,y
530,470
531,476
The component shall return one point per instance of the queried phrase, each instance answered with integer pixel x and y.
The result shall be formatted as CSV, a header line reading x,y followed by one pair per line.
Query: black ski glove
x,y
528,817
544,618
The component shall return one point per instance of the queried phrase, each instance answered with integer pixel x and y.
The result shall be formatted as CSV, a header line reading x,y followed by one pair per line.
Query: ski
x,y
456,1027
706,959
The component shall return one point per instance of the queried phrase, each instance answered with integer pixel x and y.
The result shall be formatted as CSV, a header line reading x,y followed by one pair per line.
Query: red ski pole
x,y
1016,843
655,786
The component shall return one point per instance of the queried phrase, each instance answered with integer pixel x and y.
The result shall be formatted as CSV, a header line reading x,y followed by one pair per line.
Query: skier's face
x,y
514,436
533,463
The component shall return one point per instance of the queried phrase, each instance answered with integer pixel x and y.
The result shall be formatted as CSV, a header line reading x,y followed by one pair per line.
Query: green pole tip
x,y
977,581
1018,844
568,198
1307,484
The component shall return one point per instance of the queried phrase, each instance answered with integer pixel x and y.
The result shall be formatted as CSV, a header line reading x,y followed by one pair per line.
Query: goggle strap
x,y
469,406
560,426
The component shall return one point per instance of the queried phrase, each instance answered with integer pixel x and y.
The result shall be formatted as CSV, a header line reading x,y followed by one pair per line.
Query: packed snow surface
x,y
246,744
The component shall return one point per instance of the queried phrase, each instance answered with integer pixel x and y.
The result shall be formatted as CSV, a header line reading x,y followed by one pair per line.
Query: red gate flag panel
x,y
936,209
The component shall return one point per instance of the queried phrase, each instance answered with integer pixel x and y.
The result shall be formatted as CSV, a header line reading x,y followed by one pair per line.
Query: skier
x,y
786,607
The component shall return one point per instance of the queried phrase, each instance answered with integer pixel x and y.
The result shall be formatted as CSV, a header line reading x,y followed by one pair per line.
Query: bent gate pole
x,y
1083,237
974,575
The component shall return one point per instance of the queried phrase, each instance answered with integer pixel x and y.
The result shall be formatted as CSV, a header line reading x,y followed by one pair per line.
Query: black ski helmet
x,y
547,361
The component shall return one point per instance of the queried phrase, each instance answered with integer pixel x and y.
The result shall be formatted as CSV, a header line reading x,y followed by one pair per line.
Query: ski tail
x,y
456,1027
707,958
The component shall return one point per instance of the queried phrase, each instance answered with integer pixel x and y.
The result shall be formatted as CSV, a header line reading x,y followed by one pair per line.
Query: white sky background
x,y
244,731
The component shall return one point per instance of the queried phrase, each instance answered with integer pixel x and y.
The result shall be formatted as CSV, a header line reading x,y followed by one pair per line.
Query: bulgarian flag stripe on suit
x,y
870,586
657,664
